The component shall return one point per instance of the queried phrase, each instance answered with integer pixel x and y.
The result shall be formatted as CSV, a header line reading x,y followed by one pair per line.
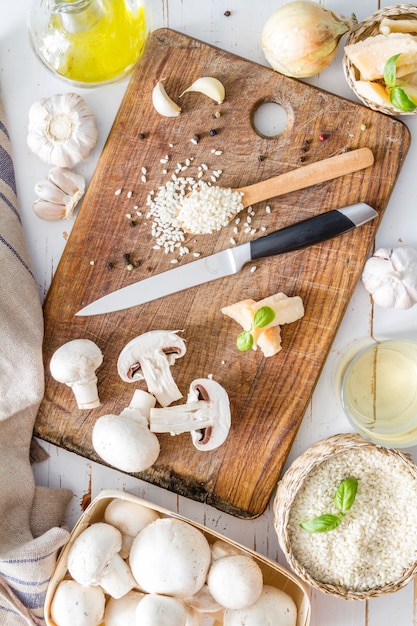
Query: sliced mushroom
x,y
124,441
149,357
206,415
74,364
94,560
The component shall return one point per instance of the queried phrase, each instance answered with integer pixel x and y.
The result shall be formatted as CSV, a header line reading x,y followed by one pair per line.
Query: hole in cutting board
x,y
269,119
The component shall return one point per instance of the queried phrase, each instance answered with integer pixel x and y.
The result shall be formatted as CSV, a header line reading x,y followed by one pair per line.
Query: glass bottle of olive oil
x,y
89,42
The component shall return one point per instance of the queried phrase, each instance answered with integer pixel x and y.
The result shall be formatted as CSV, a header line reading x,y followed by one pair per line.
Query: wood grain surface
x,y
268,396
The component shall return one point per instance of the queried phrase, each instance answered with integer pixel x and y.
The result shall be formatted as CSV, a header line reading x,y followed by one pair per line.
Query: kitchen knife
x,y
299,235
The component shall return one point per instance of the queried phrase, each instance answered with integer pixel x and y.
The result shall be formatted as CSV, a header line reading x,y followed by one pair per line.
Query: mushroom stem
x,y
182,418
117,579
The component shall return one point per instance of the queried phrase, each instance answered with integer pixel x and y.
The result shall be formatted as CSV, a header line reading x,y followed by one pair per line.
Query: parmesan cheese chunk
x,y
268,338
370,55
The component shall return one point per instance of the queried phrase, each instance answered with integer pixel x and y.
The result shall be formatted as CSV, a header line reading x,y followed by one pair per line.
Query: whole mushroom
x,y
235,581
273,606
75,364
130,518
149,357
158,610
73,603
124,441
206,415
170,557
94,560
122,611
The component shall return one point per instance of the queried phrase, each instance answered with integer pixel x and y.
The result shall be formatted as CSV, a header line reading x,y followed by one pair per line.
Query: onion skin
x,y
301,38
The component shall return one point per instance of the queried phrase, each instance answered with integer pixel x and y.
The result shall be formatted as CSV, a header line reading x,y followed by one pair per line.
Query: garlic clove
x,y
390,276
209,86
49,211
67,180
62,129
59,194
163,103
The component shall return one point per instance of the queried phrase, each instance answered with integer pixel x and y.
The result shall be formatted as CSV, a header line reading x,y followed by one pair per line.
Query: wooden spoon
x,y
300,178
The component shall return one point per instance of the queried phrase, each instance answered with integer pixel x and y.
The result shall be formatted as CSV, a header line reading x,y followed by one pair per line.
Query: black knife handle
x,y
302,234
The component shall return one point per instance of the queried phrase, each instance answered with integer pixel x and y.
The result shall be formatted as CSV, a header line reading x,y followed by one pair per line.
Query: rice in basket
x,y
375,545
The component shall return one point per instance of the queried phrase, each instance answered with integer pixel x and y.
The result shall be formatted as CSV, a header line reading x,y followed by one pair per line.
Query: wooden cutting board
x,y
268,396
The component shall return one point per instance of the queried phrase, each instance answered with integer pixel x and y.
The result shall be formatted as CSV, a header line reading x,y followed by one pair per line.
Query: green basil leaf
x,y
263,316
390,71
401,100
244,341
322,523
346,494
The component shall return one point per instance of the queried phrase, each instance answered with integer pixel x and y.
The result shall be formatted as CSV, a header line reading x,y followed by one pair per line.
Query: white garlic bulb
x,y
59,194
62,129
390,276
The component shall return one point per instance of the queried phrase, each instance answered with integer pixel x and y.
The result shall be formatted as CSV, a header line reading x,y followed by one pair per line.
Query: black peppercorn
x,y
141,135
213,132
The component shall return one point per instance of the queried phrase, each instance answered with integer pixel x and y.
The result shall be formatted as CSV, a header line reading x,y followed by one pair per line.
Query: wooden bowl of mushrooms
x,y
380,60
346,517
129,560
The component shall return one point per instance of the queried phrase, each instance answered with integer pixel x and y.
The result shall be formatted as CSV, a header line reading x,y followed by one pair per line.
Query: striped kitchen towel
x,y
30,536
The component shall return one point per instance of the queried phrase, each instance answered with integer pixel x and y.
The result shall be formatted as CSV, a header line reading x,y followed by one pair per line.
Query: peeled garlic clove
x,y
210,87
59,194
62,129
163,103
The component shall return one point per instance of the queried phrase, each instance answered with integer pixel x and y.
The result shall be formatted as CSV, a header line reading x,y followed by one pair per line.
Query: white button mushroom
x,y
130,518
235,581
273,606
94,559
73,603
170,557
203,601
158,610
206,415
122,611
221,548
124,441
74,364
149,357
390,276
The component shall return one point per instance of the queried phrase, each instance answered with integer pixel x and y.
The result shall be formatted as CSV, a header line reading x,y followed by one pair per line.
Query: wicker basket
x,y
293,480
369,28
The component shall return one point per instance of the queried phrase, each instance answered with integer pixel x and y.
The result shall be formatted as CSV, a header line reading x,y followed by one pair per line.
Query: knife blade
x,y
230,261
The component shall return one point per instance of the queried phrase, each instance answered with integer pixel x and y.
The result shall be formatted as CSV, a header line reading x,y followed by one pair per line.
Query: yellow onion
x,y
301,38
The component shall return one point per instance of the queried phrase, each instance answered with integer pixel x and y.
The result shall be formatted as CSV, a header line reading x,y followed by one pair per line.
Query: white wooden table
x,y
22,81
